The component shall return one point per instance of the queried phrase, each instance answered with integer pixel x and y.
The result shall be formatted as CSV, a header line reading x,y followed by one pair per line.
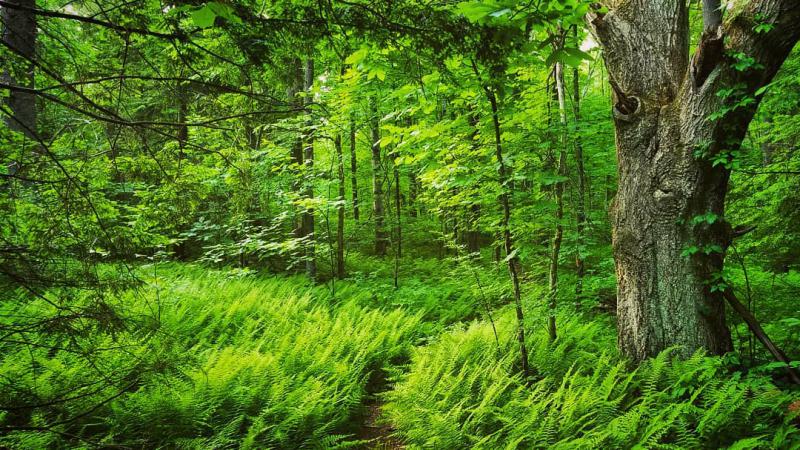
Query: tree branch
x,y
759,332
93,21
120,121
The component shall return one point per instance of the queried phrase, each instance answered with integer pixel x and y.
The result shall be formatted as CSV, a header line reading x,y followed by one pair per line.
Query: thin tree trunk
x,y
472,234
762,336
413,191
552,295
398,253
508,242
580,264
183,130
354,167
308,177
340,208
381,238
296,82
669,266
397,209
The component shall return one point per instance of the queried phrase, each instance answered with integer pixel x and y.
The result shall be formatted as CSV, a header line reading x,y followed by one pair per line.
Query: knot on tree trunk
x,y
625,106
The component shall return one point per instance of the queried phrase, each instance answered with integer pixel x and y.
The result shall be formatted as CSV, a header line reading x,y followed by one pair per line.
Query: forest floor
x,y
277,362
377,433
374,430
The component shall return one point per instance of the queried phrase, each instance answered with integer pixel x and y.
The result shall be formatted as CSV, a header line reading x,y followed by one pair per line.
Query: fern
x,y
585,397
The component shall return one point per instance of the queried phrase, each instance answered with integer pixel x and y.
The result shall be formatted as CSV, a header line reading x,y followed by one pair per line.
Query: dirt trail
x,y
374,429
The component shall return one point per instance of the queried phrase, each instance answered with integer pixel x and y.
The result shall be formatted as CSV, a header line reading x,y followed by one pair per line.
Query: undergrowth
x,y
460,392
212,362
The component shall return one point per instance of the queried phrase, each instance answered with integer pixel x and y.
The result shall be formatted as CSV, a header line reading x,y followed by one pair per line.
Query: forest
x,y
400,224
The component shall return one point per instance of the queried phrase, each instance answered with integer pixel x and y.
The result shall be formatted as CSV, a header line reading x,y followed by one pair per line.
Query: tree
x,y
580,203
295,84
354,167
19,36
504,177
381,237
308,177
558,234
340,202
679,124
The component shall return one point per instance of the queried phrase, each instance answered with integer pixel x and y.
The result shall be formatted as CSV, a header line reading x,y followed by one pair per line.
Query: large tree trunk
x,y
381,238
19,33
668,264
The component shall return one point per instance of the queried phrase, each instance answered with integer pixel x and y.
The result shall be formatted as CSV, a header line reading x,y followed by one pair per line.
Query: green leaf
x,y
204,17
690,250
569,56
476,11
357,57
576,56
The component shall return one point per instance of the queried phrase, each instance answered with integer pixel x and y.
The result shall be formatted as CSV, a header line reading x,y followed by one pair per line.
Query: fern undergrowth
x,y
460,392
212,362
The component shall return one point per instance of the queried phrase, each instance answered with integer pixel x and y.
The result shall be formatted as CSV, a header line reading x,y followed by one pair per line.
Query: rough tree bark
x,y
19,33
381,238
665,143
